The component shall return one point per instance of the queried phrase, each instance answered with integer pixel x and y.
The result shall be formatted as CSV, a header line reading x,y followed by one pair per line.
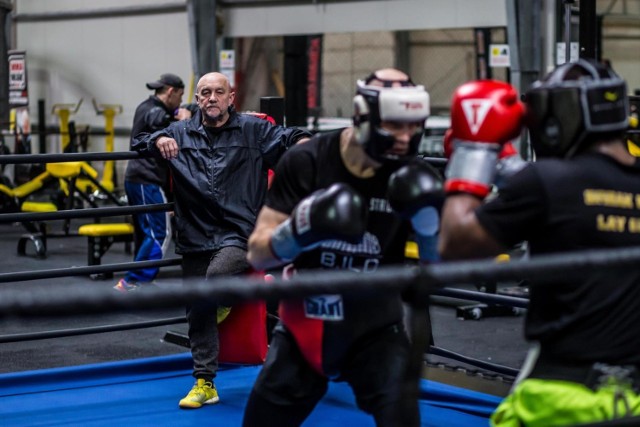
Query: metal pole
x,y
42,128
567,30
5,10
549,36
589,31
514,43
193,40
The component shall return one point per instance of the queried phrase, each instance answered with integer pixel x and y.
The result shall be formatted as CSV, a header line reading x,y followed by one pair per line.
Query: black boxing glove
x,y
415,192
335,213
414,187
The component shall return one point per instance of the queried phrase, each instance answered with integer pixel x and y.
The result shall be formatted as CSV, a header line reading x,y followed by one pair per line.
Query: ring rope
x,y
113,155
62,333
500,369
21,276
70,157
416,283
482,297
83,213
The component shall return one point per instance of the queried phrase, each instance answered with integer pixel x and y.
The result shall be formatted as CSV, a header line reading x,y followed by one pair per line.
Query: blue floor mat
x,y
145,392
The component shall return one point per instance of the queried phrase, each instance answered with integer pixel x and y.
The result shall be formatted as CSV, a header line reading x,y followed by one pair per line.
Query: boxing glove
x,y
336,213
414,187
485,115
415,193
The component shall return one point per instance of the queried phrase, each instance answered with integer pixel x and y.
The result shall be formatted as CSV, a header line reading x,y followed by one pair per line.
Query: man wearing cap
x,y
146,180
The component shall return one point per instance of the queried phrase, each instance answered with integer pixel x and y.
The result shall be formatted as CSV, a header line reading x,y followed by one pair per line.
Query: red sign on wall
x,y
314,73
18,88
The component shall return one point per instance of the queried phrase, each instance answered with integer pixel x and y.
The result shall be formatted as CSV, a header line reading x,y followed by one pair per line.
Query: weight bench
x,y
101,237
74,179
38,233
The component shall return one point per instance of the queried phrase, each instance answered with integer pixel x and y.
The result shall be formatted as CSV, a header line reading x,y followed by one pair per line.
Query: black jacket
x,y
150,116
220,176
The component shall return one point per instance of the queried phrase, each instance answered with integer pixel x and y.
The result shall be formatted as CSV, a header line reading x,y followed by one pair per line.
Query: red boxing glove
x,y
485,115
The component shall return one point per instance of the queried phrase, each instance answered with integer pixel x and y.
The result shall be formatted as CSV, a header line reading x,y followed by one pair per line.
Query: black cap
x,y
166,80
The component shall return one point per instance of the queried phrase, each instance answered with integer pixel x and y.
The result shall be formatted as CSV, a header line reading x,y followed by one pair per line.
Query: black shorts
x,y
375,370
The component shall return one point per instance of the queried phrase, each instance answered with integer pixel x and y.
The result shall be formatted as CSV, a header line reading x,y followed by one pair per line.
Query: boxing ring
x,y
145,391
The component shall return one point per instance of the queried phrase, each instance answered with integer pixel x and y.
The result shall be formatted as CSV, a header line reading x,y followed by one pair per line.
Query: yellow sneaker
x,y
202,393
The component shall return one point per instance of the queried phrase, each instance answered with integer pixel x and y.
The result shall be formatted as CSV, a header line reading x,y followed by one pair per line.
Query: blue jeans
x,y
154,229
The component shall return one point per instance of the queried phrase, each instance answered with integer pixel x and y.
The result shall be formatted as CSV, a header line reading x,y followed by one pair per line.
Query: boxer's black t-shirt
x,y
590,202
343,320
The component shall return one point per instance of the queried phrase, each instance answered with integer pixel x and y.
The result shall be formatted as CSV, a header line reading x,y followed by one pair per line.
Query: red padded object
x,y
263,116
270,178
243,334
508,150
486,111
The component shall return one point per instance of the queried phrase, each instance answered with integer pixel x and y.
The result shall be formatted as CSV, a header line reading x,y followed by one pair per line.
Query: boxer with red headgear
x,y
580,194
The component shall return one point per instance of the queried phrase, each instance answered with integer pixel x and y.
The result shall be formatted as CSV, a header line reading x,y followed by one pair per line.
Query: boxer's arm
x,y
260,255
337,212
485,116
461,234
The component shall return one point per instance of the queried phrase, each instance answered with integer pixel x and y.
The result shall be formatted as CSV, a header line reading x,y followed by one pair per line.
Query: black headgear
x,y
374,104
574,102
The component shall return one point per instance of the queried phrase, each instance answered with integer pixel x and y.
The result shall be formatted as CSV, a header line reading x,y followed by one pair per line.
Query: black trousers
x,y
202,316
288,389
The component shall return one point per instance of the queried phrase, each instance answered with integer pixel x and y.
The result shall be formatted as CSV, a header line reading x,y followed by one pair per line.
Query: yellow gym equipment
x,y
67,174
64,112
109,111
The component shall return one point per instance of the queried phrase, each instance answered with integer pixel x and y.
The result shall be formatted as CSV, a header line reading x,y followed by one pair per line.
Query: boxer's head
x,y
575,105
386,104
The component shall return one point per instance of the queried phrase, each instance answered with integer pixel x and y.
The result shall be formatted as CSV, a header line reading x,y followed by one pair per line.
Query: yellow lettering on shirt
x,y
634,225
611,223
609,198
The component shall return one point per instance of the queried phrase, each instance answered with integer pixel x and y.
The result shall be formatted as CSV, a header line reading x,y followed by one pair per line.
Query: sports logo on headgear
x,y
610,96
475,111
413,106
486,111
